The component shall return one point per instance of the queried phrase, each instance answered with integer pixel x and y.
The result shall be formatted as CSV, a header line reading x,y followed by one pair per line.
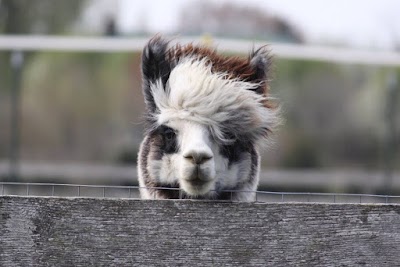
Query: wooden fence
x,y
37,231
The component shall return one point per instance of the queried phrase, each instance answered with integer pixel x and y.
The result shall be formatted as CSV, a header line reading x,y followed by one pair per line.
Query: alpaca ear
x,y
155,66
260,61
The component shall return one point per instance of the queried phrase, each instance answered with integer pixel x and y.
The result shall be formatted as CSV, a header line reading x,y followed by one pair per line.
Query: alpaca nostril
x,y
197,158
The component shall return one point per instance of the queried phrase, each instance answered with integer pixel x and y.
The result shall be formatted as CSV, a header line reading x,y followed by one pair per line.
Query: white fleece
x,y
225,105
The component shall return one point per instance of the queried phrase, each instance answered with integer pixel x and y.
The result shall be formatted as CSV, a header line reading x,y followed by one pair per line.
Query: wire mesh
x,y
132,192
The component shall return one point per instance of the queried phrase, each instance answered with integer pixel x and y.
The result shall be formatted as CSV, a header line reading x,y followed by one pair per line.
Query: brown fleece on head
x,y
236,67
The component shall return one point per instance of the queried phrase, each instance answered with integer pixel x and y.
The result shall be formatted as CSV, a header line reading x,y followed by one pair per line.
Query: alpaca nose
x,y
197,157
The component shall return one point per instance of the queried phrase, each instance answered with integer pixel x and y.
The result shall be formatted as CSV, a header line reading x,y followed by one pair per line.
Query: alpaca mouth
x,y
197,182
197,185
198,177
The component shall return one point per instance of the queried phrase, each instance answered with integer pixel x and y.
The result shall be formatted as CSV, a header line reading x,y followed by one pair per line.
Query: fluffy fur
x,y
224,105
207,116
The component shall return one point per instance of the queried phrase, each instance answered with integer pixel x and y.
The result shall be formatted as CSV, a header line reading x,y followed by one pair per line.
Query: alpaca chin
x,y
197,187
197,180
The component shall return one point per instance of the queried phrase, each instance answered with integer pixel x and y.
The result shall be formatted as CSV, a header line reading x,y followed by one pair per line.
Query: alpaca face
x,y
185,153
206,117
187,157
195,161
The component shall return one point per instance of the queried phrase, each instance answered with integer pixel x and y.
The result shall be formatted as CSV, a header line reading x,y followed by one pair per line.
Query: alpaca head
x,y
206,117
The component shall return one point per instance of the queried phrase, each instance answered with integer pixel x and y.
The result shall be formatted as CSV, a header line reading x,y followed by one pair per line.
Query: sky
x,y
356,23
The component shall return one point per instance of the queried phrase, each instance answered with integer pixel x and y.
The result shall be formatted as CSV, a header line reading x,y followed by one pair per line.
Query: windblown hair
x,y
227,96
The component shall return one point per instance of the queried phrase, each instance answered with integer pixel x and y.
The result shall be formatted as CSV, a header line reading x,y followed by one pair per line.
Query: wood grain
x,y
38,231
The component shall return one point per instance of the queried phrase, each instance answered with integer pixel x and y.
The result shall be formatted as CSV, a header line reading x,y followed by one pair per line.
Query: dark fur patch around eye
x,y
233,152
167,140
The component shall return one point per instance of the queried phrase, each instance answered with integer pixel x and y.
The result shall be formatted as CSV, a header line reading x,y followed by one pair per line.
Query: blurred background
x,y
76,117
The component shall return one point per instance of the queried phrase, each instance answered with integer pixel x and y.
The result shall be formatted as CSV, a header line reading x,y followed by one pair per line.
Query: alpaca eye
x,y
169,135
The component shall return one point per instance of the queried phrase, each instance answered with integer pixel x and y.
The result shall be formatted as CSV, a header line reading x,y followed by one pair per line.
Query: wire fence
x,y
132,192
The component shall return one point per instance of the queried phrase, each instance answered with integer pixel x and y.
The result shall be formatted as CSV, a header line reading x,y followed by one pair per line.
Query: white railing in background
x,y
135,44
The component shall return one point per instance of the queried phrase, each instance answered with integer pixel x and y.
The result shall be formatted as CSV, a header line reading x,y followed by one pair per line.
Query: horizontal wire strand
x,y
284,196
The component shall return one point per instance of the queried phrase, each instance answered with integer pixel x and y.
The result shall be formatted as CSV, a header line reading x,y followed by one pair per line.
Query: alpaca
x,y
207,115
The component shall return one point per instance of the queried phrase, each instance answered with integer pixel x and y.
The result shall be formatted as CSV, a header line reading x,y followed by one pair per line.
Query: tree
x,y
231,20
27,17
43,16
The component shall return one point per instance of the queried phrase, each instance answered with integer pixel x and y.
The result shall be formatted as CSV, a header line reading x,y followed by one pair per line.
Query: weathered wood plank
x,y
122,232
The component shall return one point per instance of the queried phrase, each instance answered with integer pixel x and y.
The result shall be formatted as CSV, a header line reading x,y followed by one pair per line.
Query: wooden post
x,y
17,60
390,136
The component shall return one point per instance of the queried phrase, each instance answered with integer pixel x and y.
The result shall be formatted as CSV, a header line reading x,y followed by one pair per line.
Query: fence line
x,y
338,179
135,44
9,189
